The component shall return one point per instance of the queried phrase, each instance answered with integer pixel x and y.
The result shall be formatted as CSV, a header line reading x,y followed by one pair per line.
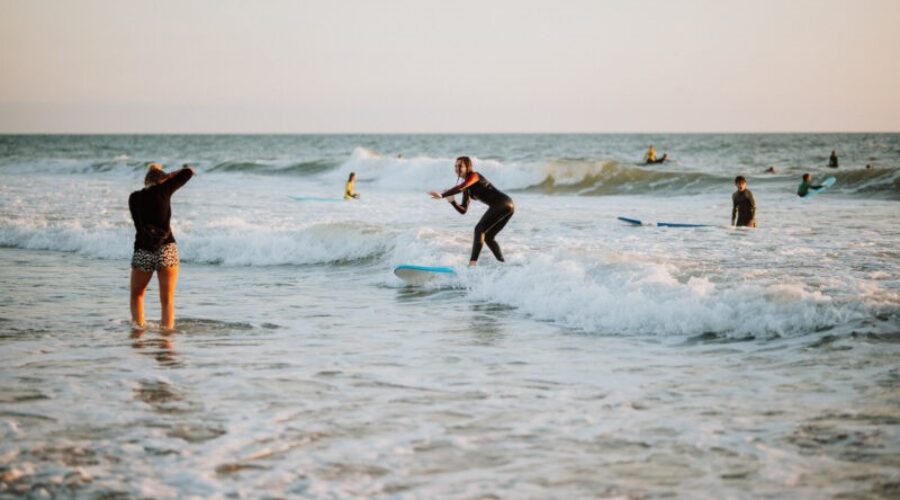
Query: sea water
x,y
602,359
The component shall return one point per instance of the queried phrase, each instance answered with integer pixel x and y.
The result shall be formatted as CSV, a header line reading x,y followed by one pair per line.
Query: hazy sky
x,y
449,66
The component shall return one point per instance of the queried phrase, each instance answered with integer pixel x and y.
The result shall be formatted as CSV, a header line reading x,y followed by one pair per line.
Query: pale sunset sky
x,y
422,66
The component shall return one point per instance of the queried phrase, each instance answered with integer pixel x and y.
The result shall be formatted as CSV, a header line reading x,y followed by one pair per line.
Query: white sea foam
x,y
609,296
235,244
424,173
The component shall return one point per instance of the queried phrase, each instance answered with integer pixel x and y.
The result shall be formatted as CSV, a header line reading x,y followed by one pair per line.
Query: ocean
x,y
601,359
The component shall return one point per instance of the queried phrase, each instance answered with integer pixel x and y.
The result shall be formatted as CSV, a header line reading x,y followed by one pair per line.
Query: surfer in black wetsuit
x,y
743,211
500,207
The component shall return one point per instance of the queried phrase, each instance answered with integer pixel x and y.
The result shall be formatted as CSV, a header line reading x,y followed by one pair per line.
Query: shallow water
x,y
601,360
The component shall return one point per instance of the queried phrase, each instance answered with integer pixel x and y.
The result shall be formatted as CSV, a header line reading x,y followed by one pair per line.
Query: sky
x,y
425,66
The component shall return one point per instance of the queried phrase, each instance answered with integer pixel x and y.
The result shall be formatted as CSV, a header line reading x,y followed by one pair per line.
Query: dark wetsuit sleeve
x,y
470,180
734,208
135,212
752,202
176,181
463,207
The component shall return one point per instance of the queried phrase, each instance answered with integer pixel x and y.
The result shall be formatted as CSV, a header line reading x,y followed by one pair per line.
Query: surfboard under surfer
x,y
500,207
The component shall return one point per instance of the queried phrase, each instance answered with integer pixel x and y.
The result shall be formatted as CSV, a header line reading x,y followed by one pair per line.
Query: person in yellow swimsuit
x,y
650,156
348,189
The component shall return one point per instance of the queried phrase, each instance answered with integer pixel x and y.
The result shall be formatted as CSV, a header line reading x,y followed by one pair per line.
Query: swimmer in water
x,y
500,207
349,194
743,211
650,155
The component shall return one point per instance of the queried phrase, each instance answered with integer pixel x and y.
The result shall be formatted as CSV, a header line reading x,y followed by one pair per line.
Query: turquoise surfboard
x,y
637,222
827,183
416,275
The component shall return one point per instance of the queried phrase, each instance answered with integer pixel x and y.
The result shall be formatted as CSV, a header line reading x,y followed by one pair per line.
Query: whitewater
x,y
601,359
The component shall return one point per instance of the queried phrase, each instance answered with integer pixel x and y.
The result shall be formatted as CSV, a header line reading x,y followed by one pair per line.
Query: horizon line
x,y
832,132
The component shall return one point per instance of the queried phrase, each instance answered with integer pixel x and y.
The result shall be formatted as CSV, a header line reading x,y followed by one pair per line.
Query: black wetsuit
x,y
743,211
151,212
500,209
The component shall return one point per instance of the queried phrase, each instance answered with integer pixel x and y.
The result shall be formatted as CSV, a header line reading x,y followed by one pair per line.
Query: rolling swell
x,y
297,169
880,180
611,178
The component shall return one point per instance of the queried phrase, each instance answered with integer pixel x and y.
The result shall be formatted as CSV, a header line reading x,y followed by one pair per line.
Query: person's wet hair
x,y
352,175
739,179
806,177
465,161
155,175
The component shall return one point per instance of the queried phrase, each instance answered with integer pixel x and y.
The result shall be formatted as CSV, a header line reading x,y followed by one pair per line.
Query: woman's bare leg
x,y
139,281
168,280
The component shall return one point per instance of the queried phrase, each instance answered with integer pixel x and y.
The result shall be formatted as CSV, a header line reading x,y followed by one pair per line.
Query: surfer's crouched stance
x,y
500,207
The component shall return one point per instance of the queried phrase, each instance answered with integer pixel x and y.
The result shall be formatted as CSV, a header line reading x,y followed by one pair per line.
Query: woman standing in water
x,y
349,193
154,245
500,207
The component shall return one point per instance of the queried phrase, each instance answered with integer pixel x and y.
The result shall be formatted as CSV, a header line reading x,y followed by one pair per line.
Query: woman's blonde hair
x,y
155,175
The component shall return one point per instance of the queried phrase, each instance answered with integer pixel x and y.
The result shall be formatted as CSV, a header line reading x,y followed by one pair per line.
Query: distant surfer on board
x,y
833,159
806,185
349,194
500,207
743,210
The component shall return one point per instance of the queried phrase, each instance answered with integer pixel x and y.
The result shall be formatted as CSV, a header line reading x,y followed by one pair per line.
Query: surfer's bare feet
x,y
472,263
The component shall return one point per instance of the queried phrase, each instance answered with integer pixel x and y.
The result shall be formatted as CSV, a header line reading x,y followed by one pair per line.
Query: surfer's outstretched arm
x,y
471,179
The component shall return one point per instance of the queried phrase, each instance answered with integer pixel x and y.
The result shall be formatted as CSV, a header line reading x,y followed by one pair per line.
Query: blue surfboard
x,y
416,275
827,183
313,198
638,222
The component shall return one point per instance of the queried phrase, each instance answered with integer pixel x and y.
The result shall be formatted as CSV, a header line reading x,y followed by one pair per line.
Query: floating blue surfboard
x,y
313,198
417,275
827,183
638,222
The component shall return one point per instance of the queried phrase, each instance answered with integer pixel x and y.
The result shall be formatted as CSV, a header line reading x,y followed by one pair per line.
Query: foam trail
x,y
646,298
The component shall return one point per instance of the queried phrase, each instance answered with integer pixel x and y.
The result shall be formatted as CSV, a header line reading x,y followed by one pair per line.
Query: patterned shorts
x,y
147,261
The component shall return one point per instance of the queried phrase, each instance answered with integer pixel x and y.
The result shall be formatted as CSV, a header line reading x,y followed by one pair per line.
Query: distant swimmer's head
x,y
740,182
463,166
352,177
155,175
807,177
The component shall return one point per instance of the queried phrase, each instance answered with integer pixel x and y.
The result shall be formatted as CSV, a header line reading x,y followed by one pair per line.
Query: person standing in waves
x,y
500,207
743,209
154,244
